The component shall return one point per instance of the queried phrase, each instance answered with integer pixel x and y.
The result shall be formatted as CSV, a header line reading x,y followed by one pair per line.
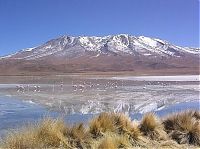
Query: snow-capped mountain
x,y
123,44
99,53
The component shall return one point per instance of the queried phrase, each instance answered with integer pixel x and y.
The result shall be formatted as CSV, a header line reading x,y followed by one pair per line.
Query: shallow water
x,y
78,98
89,95
195,105
14,113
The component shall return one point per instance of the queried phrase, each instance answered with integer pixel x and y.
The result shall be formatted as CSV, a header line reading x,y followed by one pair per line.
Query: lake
x,y
78,98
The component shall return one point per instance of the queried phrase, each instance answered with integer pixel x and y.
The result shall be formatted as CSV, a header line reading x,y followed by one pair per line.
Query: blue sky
x,y
29,23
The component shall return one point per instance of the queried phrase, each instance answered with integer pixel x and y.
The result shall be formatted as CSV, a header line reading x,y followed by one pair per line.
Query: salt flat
x,y
160,78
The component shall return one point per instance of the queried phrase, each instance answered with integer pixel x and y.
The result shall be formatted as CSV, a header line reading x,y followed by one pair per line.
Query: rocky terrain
x,y
112,53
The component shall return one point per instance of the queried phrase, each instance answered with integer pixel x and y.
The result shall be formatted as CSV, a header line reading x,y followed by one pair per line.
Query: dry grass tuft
x,y
48,133
171,144
78,136
26,138
152,127
195,114
122,142
107,143
103,123
122,122
111,131
112,140
184,127
51,132
135,136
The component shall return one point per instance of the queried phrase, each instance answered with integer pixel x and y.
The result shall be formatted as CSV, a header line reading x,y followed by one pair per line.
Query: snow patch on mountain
x,y
148,41
68,46
28,49
8,56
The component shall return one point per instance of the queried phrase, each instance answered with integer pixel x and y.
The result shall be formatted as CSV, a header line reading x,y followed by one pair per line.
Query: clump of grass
x,y
136,137
107,143
111,131
119,124
127,128
103,123
22,139
52,132
78,136
113,140
184,127
48,133
152,127
123,142
195,114
171,144
122,122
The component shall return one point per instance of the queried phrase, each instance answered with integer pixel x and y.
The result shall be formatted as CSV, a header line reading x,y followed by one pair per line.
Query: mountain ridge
x,y
120,52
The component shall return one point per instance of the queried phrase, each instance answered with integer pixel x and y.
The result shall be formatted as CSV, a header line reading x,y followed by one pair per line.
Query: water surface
x,y
14,113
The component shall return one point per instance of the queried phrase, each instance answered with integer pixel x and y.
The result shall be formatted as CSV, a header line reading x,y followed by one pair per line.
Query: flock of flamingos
x,y
81,86
76,86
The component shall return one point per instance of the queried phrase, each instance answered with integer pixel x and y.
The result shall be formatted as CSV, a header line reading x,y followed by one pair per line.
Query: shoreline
x,y
111,130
